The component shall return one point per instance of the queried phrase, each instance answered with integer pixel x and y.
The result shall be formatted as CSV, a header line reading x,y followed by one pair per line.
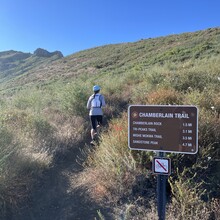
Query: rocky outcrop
x,y
44,53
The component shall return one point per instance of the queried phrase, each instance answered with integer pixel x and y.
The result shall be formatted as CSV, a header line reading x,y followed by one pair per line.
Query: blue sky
x,y
74,25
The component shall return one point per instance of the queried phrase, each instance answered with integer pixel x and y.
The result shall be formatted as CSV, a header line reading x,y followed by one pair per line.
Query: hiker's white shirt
x,y
98,109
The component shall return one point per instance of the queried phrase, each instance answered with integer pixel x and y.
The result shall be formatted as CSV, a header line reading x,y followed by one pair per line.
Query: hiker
x,y
95,104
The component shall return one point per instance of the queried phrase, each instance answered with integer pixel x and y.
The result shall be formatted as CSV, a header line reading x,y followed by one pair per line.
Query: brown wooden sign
x,y
163,128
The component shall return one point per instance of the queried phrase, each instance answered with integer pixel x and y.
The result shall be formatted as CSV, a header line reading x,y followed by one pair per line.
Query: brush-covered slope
x,y
118,58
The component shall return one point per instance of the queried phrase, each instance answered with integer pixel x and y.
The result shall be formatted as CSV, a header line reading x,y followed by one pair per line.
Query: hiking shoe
x,y
92,142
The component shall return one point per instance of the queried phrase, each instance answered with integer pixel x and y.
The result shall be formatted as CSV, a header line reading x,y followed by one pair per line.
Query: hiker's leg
x,y
93,124
99,120
93,133
99,123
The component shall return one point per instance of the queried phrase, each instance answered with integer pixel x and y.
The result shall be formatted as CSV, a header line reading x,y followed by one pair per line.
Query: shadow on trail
x,y
53,198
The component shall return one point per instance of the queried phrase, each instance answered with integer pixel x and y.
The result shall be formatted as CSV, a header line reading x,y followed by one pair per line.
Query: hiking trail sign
x,y
163,128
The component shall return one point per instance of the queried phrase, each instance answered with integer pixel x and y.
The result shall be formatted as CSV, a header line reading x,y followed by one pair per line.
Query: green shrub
x,y
209,128
74,98
195,80
139,93
31,99
203,100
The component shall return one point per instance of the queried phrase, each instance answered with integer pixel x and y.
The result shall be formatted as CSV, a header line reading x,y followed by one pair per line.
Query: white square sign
x,y
161,165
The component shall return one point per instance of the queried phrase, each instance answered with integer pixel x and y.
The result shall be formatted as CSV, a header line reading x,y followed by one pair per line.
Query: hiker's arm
x,y
88,106
103,101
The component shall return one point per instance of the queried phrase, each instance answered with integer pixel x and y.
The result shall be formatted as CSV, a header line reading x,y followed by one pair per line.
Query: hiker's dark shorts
x,y
95,119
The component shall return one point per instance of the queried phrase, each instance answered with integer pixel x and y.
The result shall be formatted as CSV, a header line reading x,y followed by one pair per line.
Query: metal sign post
x,y
161,193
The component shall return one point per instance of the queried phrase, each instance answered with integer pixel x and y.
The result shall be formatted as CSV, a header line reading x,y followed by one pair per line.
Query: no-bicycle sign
x,y
161,165
163,128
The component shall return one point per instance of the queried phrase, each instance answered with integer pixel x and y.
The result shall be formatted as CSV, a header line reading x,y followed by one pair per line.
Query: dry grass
x,y
32,141
111,163
164,96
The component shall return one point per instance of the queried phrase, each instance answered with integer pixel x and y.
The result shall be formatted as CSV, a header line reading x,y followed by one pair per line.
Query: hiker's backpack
x,y
96,101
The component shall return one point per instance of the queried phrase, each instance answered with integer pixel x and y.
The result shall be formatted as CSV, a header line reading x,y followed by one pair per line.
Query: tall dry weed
x,y
164,96
186,200
111,161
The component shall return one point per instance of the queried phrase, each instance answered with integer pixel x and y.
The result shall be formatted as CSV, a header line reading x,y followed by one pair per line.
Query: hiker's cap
x,y
96,88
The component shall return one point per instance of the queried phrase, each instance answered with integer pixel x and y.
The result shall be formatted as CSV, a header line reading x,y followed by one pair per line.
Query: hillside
x,y
14,64
48,170
117,58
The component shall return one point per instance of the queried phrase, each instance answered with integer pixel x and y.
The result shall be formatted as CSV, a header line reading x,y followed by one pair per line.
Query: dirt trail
x,y
55,198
